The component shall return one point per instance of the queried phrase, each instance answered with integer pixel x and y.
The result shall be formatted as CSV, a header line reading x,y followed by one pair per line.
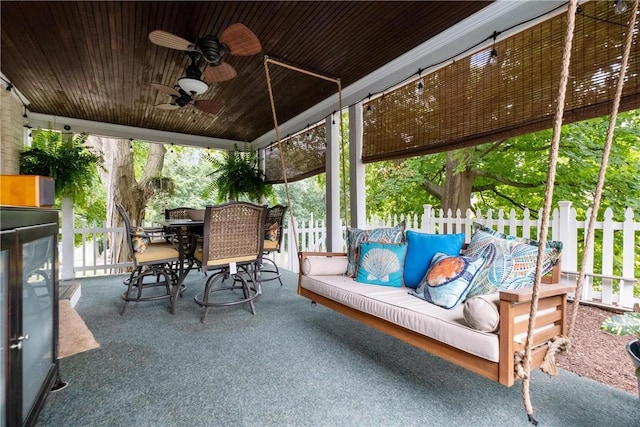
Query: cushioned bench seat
x,y
399,307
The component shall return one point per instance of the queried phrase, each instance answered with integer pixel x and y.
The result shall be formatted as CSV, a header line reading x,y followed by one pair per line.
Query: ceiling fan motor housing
x,y
183,99
211,49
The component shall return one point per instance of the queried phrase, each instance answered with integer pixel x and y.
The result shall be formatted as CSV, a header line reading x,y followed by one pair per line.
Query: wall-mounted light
x,y
420,88
619,6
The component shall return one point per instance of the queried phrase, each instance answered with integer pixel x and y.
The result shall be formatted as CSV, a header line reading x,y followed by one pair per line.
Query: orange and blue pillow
x,y
448,279
421,249
381,263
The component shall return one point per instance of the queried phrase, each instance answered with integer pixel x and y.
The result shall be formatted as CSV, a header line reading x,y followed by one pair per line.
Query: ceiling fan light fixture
x,y
192,86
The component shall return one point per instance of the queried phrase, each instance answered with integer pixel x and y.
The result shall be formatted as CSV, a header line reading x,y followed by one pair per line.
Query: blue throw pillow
x,y
448,280
421,249
381,263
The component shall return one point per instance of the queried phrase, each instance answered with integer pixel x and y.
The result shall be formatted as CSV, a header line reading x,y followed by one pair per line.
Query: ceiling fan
x,y
188,87
237,40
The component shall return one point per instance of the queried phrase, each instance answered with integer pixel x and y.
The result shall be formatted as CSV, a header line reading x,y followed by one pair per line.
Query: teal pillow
x,y
421,249
448,280
381,263
511,260
356,236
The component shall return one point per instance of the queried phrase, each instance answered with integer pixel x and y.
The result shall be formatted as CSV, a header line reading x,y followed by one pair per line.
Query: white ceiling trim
x,y
110,130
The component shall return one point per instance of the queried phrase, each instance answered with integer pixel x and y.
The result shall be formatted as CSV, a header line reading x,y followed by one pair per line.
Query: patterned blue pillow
x,y
355,236
448,280
511,261
421,249
381,263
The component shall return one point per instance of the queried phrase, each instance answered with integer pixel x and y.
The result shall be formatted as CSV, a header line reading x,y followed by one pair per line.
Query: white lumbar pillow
x,y
482,312
324,266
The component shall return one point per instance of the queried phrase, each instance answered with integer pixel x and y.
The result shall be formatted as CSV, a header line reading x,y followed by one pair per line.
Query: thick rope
x,y
603,167
268,61
556,344
284,170
553,160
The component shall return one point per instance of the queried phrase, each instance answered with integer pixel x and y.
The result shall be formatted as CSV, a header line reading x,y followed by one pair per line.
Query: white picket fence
x,y
613,285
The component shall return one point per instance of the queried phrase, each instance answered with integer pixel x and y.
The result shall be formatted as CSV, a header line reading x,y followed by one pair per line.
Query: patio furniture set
x,y
231,240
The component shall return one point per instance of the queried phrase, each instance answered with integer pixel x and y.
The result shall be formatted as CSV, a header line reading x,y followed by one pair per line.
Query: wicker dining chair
x,y
232,245
177,213
272,243
153,260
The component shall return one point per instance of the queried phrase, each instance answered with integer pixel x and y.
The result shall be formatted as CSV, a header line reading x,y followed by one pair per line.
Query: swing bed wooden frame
x,y
514,306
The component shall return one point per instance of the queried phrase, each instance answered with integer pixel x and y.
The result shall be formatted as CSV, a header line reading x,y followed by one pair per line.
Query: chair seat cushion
x,y
198,255
157,252
270,245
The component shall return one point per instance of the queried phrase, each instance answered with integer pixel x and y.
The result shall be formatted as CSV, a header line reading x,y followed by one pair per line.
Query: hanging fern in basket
x,y
237,176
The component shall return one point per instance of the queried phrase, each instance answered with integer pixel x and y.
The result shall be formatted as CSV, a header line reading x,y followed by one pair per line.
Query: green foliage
x,y
513,173
237,176
71,164
622,324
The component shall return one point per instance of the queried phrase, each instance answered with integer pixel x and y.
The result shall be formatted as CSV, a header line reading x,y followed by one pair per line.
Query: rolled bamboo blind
x,y
304,156
469,101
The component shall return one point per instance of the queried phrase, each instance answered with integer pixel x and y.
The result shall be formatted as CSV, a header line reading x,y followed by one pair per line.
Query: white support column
x,y
356,168
334,232
568,238
67,271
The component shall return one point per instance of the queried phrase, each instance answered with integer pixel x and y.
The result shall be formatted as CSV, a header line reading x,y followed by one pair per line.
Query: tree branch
x,y
503,180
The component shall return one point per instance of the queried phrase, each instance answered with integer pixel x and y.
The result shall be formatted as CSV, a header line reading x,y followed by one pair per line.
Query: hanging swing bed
x,y
532,321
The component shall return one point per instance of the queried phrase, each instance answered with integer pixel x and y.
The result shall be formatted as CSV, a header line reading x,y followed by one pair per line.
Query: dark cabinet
x,y
29,312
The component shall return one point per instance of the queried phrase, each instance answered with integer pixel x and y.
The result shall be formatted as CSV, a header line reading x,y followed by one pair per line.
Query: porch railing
x,y
610,281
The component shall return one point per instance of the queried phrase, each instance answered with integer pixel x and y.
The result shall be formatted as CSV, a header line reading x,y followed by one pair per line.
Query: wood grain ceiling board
x,y
93,60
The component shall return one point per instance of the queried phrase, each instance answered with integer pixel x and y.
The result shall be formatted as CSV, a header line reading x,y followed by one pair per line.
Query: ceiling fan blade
x,y
163,38
219,73
165,89
167,106
208,106
240,40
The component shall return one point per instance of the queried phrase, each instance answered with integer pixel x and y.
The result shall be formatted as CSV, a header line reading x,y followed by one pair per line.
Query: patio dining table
x,y
186,233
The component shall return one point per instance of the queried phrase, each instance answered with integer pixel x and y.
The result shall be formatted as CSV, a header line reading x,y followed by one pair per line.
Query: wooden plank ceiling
x,y
93,60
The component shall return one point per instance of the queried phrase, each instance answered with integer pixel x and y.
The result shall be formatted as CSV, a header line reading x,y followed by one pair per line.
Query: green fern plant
x,y
236,176
70,163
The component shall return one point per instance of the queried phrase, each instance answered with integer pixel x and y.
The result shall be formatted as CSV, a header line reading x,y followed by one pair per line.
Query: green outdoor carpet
x,y
292,364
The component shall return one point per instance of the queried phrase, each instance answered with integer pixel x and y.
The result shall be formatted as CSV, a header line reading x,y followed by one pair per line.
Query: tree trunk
x,y
121,185
458,187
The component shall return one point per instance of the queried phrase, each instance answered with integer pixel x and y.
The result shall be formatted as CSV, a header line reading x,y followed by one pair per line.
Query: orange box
x,y
27,190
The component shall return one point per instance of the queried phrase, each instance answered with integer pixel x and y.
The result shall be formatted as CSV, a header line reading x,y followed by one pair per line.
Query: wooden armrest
x,y
525,294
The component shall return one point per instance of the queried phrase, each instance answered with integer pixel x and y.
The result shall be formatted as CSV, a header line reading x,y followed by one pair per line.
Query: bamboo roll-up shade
x,y
304,156
470,102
